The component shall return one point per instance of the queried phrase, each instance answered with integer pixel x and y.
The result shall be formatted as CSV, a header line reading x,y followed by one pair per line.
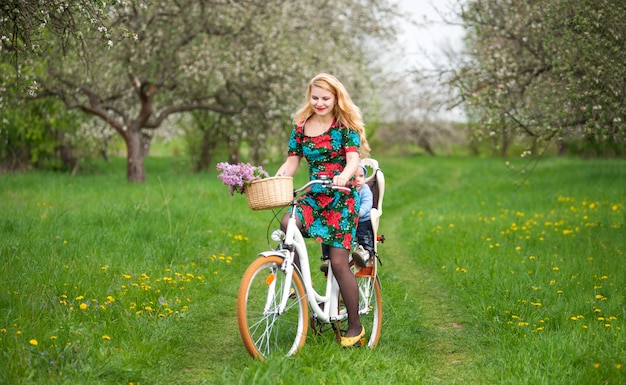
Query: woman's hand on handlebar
x,y
340,181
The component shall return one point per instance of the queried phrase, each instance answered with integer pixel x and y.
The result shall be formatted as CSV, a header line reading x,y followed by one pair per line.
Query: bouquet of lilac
x,y
236,176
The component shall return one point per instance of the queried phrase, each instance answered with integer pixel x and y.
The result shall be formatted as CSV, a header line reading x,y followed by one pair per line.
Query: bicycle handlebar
x,y
326,182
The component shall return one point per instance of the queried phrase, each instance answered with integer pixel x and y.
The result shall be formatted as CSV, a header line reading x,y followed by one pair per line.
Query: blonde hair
x,y
345,111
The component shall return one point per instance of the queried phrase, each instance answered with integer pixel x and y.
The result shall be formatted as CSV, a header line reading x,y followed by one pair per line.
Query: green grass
x,y
489,277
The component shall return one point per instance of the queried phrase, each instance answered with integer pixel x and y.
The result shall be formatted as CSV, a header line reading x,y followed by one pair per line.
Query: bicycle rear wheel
x,y
263,329
370,307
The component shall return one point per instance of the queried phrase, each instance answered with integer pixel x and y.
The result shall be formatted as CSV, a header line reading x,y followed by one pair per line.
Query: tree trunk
x,y
135,170
562,147
146,142
207,149
424,143
505,143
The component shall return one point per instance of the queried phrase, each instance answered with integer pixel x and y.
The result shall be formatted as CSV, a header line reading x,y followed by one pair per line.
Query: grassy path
x,y
416,305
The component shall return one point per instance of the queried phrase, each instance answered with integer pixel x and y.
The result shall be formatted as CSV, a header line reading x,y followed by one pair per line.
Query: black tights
x,y
339,260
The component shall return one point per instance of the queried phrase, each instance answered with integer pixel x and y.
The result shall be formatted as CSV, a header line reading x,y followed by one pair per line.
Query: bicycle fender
x,y
280,253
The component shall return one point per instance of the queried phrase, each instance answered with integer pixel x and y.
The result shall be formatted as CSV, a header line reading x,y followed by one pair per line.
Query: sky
x,y
416,40
421,45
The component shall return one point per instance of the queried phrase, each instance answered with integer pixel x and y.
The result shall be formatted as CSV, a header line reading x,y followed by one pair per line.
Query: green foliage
x,y
33,133
487,277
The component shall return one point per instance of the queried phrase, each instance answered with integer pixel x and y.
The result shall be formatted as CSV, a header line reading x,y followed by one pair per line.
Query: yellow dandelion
x,y
83,306
618,366
614,208
596,365
79,297
53,338
33,342
106,337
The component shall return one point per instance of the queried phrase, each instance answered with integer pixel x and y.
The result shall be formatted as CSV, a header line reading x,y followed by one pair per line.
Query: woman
x,y
328,131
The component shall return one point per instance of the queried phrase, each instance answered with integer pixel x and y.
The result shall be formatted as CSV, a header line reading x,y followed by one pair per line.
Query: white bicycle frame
x,y
294,240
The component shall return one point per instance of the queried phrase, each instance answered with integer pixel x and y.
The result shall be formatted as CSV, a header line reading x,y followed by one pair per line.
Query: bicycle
x,y
275,296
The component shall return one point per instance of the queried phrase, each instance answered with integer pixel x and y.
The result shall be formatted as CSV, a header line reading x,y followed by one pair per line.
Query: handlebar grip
x,y
340,188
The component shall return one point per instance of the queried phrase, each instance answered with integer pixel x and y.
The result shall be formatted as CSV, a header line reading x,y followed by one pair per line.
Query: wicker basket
x,y
269,193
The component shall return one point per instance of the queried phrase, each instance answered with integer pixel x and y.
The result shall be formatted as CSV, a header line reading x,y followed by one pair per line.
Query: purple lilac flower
x,y
236,176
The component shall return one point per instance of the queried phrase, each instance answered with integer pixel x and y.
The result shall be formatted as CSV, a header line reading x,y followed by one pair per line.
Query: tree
x,y
545,69
244,60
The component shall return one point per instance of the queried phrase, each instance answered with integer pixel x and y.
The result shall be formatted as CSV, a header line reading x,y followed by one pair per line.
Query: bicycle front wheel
x,y
264,329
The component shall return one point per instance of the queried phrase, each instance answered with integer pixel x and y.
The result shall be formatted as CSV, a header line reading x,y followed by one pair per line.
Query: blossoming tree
x,y
244,60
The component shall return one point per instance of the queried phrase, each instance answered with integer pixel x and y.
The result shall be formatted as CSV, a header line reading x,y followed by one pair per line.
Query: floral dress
x,y
327,215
